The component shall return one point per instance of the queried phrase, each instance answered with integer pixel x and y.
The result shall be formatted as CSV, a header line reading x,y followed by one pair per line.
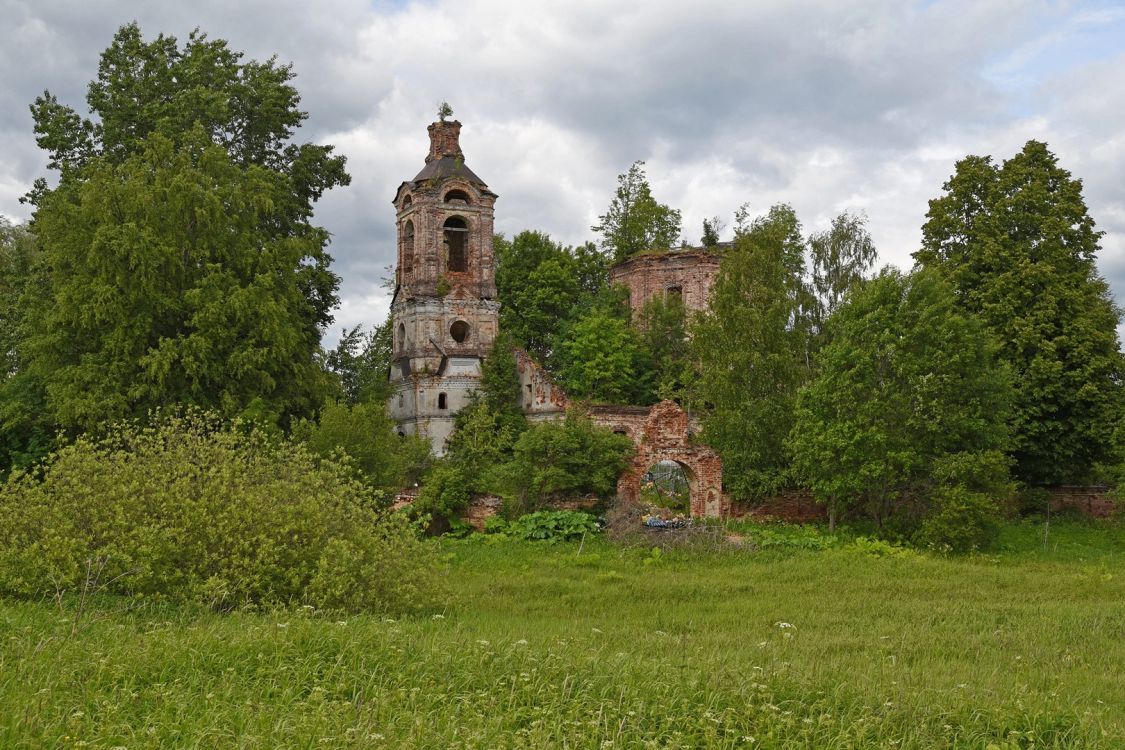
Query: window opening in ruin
x,y
621,432
401,434
401,336
442,402
667,485
408,247
406,202
457,196
530,398
674,293
459,331
456,237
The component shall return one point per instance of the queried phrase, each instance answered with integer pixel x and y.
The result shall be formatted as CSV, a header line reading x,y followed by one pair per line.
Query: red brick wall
x,y
444,139
664,433
650,275
791,506
1095,501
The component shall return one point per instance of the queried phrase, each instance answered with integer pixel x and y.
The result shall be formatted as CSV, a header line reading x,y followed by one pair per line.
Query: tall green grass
x,y
550,646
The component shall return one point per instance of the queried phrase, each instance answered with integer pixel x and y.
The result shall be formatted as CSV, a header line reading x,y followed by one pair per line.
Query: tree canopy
x,y
179,261
909,397
751,346
635,221
1019,248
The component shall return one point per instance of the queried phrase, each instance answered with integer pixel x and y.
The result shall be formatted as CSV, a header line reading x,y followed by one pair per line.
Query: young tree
x,y
542,287
182,266
1019,248
487,429
909,404
841,257
711,229
566,459
750,345
365,433
663,324
634,221
538,285
361,362
602,360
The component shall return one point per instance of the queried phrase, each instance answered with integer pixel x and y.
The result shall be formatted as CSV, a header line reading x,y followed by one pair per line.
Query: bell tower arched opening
x,y
408,247
455,233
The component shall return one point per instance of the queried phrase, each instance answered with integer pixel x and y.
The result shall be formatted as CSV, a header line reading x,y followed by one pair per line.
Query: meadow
x,y
803,642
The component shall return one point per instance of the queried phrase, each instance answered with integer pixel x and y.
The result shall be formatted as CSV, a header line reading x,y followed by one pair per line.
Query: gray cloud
x,y
826,104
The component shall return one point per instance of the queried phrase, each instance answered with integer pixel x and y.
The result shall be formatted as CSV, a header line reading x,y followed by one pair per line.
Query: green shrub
x,y
960,521
553,525
573,457
190,510
880,548
444,494
366,434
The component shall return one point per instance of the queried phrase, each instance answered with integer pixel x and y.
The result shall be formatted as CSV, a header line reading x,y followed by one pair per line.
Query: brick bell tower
x,y
444,314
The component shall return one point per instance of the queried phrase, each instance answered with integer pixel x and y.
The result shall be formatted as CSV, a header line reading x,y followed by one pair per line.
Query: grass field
x,y
548,646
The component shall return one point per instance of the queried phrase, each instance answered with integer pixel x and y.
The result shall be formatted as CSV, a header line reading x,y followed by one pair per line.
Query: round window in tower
x,y
459,331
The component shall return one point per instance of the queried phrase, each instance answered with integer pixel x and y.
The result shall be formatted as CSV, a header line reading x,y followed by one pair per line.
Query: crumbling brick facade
x,y
690,274
1091,501
665,432
540,397
444,319
444,313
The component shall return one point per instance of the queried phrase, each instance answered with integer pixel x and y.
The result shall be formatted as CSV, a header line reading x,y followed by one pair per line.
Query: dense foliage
x,y
663,324
190,510
361,363
635,222
366,436
1018,246
26,431
179,261
751,346
542,286
603,360
906,421
553,460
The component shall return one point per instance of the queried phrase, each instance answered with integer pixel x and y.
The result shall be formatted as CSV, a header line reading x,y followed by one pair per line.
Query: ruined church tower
x,y
444,313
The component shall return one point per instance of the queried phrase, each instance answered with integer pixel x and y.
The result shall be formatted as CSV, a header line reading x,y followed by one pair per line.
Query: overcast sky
x,y
828,105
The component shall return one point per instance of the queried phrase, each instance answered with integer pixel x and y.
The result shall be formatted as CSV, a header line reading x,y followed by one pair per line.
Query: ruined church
x,y
444,318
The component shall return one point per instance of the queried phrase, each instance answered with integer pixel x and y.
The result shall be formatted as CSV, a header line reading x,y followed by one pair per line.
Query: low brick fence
x,y
1094,501
791,506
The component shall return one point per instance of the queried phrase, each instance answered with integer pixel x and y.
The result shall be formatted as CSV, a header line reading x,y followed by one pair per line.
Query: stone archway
x,y
664,433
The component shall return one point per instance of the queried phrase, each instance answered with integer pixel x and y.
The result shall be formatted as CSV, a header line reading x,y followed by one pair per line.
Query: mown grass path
x,y
547,647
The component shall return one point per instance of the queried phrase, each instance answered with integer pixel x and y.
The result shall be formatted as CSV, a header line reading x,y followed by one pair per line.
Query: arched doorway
x,y
667,484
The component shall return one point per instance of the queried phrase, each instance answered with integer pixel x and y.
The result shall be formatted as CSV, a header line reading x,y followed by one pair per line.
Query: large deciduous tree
x,y
909,408
635,221
751,346
1017,244
180,261
26,431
